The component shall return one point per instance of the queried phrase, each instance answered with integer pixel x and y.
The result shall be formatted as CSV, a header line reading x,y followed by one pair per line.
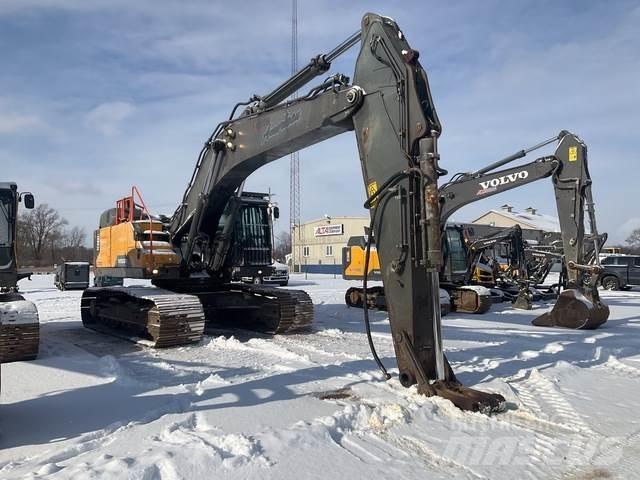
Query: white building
x,y
529,219
317,245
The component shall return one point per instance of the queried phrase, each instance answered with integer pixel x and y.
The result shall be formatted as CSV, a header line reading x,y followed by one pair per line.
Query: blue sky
x,y
98,95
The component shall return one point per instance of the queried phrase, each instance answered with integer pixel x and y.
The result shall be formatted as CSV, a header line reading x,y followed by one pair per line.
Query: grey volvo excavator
x,y
579,305
389,108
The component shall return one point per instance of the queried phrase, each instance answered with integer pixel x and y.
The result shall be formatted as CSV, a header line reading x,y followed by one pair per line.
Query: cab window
x,y
457,251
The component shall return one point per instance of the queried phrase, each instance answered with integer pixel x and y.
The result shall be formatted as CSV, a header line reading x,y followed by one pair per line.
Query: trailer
x,y
72,276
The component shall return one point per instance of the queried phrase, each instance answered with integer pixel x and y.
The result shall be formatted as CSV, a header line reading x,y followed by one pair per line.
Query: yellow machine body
x,y
141,247
353,263
483,275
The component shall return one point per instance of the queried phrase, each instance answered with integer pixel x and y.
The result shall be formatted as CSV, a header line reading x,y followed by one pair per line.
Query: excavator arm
x,y
389,107
579,306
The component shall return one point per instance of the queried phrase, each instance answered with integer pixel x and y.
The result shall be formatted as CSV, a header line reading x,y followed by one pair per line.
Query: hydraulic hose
x,y
365,306
378,196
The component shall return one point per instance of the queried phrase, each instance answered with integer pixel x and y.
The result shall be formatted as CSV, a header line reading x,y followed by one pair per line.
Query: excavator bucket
x,y
574,310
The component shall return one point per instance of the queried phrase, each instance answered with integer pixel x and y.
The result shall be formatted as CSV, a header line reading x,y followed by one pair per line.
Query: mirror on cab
x,y
276,213
28,199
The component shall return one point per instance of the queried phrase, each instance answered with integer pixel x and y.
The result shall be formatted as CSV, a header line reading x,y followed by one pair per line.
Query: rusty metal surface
x,y
574,310
464,398
469,301
19,342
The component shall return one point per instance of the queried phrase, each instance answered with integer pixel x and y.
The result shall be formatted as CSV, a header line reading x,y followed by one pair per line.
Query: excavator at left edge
x,y
19,323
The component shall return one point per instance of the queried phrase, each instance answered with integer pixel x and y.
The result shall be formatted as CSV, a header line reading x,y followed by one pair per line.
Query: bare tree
x,y
282,246
74,238
41,228
634,238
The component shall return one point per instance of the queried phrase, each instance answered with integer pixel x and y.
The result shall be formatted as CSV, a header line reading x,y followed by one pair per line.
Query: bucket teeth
x,y
574,310
466,398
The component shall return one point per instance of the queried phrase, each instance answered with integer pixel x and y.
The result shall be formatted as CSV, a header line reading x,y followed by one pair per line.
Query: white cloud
x,y
625,229
107,117
18,123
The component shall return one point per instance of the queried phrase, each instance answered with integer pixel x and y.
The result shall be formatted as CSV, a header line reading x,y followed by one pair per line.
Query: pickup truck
x,y
620,272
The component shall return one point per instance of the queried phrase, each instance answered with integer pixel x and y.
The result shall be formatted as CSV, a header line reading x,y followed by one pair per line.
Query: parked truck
x,y
621,272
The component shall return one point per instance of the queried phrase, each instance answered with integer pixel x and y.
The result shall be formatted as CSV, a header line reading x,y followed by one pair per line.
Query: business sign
x,y
325,230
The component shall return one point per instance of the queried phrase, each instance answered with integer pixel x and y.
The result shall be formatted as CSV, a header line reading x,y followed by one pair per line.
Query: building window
x,y
328,251
305,251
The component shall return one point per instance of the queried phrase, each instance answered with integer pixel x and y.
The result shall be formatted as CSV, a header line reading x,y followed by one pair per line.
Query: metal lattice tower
x,y
294,172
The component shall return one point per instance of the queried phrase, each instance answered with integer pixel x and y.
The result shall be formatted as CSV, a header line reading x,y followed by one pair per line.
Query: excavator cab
x,y
8,204
9,200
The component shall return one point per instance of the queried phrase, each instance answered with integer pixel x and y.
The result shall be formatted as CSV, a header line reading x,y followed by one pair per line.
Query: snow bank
x,y
314,405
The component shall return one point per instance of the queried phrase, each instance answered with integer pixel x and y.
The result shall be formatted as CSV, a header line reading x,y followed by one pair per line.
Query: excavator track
x,y
259,308
470,299
354,297
463,299
161,317
148,315
19,329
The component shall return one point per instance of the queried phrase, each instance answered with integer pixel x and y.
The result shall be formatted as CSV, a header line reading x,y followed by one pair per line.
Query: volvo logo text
x,y
494,183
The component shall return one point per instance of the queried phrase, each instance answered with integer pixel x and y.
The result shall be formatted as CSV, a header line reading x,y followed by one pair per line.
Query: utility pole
x,y
294,173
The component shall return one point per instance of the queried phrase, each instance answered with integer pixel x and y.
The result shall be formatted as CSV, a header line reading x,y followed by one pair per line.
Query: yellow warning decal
x,y
372,188
573,154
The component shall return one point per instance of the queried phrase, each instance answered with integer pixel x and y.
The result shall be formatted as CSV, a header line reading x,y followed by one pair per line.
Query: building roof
x,y
529,217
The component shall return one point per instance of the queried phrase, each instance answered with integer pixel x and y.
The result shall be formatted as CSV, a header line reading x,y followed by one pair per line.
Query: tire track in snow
x,y
563,428
315,353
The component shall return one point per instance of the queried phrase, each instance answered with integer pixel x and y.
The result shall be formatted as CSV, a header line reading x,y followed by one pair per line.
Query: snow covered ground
x,y
315,406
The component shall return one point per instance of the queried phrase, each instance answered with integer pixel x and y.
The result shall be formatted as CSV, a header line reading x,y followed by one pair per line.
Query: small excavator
x,y
389,108
353,256
465,286
19,324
